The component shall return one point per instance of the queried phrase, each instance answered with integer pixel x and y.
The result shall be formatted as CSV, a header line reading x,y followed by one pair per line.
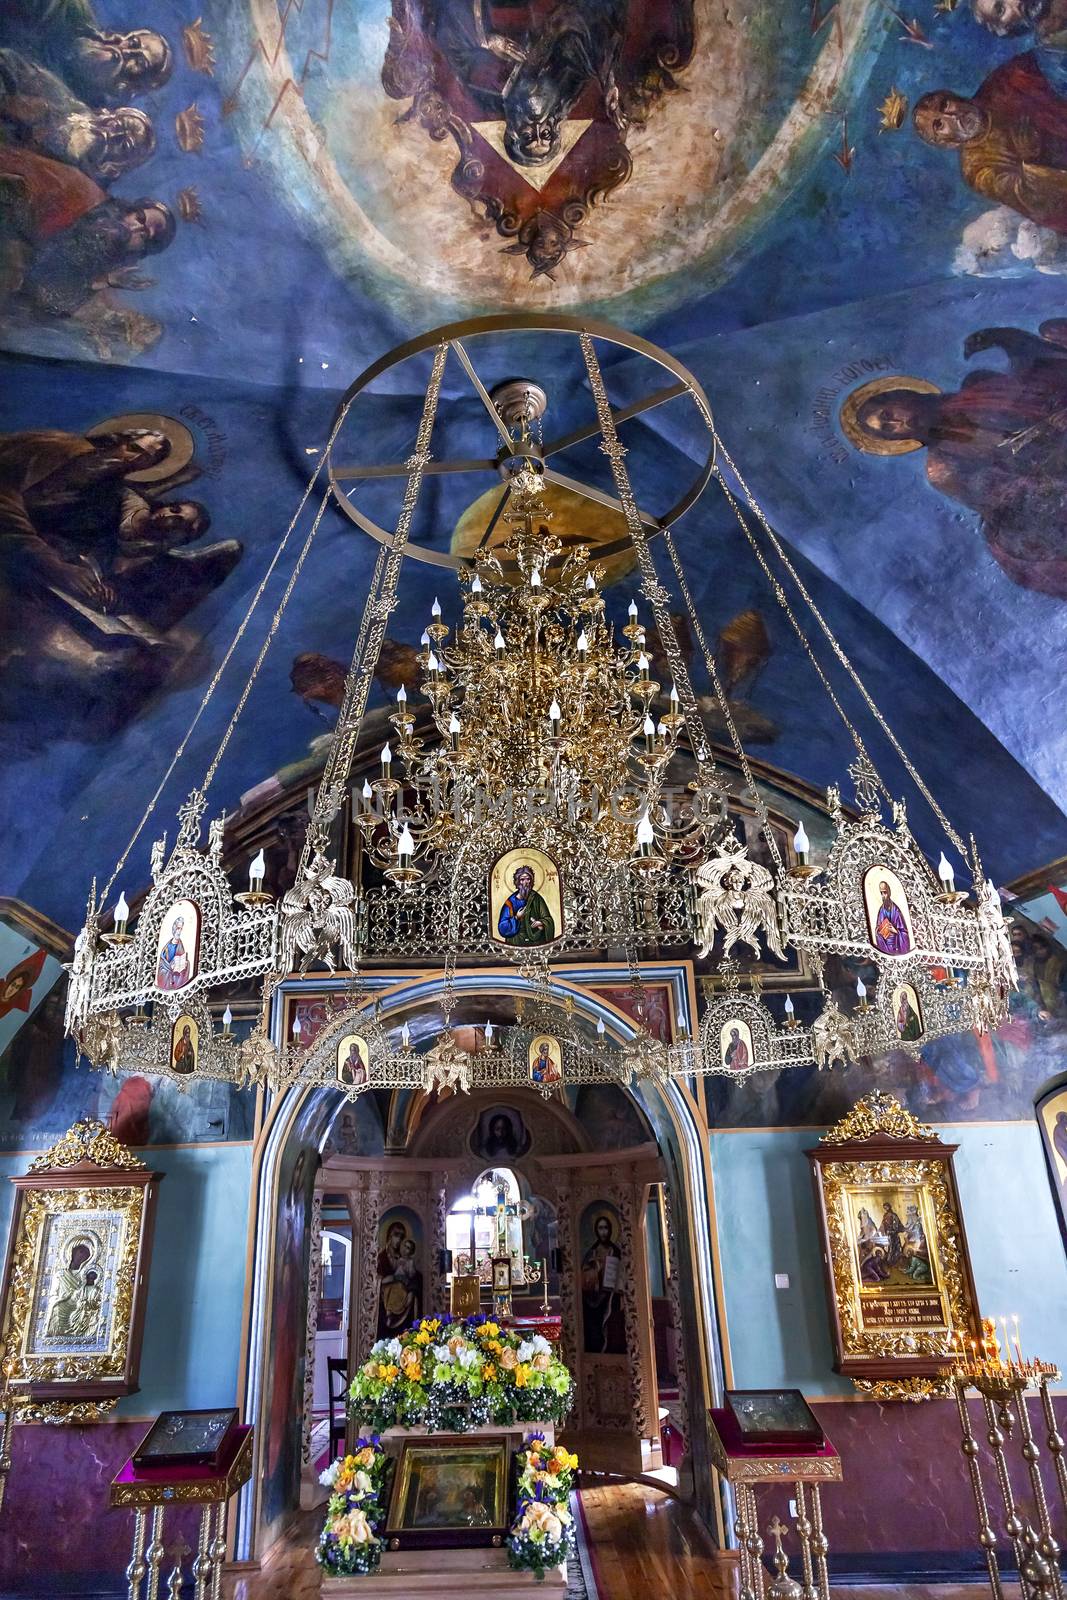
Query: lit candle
x,y
1015,1338
401,696
790,1008
405,845
424,641
387,761
648,728
368,794
122,912
405,1036
600,1030
861,990
435,609
590,583
674,701
583,645
257,871
555,718
298,1029
632,610
227,1020
946,874
801,844
433,665
476,584
488,1031
642,667
661,732
454,730
645,836
498,643
535,579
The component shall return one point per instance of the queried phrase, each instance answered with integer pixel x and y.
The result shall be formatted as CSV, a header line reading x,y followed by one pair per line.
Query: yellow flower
x,y
495,1346
411,1363
522,1374
364,1459
388,1371
422,1337
489,1330
489,1372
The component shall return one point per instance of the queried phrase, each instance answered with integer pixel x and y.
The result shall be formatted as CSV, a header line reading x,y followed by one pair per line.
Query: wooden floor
x,y
645,1545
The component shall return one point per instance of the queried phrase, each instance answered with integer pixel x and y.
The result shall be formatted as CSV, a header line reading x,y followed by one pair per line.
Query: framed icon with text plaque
x,y
898,1273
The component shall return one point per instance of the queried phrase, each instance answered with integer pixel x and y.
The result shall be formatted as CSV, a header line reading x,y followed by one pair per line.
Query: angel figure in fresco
x,y
890,929
737,896
172,971
524,917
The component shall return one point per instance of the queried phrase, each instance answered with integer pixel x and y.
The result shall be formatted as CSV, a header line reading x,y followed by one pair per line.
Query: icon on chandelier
x,y
184,1045
179,946
525,906
353,1062
735,1045
888,916
907,1008
545,1060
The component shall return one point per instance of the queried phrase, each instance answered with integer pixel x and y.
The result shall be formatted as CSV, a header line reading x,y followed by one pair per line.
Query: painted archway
x,y
294,1130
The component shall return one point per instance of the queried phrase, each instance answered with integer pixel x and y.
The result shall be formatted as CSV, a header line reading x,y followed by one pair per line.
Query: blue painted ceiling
x,y
776,232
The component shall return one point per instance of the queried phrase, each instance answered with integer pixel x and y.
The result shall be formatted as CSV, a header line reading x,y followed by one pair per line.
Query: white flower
x,y
361,1483
393,1349
329,1476
526,1350
469,1357
442,1353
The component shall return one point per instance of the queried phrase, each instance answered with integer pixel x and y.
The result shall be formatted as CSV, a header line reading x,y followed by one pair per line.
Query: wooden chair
x,y
337,1389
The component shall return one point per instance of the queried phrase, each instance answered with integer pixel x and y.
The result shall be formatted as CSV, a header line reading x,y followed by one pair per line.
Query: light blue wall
x,y
766,1222
196,1284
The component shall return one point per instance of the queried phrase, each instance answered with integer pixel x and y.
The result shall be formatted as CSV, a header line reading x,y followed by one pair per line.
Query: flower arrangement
x,y
349,1543
542,1535
453,1375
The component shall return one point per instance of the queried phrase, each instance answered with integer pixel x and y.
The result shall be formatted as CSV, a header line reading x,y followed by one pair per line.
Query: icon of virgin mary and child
x,y
524,917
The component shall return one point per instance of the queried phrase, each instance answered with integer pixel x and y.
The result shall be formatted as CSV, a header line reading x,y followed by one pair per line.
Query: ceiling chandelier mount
x,y
557,795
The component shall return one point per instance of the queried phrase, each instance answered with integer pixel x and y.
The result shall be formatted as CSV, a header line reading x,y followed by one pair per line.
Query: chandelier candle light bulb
x,y
790,1012
535,579
488,1032
861,996
648,728
435,609
455,728
227,1022
405,845
387,761
122,913
555,719
583,645
949,895
498,643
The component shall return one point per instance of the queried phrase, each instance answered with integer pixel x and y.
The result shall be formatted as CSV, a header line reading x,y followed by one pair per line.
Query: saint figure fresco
x,y
602,1309
997,445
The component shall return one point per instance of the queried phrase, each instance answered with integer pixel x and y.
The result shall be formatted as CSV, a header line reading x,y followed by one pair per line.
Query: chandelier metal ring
x,y
342,472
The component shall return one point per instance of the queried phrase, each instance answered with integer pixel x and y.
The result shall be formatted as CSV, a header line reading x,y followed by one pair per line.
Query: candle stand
x,y
156,1488
1005,1384
747,1468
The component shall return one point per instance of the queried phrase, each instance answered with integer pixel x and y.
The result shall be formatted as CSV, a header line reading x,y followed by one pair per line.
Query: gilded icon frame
x,y
76,1278
488,1454
895,1306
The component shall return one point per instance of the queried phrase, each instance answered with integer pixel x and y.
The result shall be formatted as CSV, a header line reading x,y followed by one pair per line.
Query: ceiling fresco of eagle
x,y
848,219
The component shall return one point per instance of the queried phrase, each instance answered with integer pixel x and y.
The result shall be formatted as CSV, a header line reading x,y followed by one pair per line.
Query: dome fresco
x,y
845,219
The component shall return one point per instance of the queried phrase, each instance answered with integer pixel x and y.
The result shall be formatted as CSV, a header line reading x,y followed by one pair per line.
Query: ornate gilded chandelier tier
x,y
554,797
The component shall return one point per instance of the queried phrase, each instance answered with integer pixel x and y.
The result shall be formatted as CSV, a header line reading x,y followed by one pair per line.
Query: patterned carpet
x,y
581,1573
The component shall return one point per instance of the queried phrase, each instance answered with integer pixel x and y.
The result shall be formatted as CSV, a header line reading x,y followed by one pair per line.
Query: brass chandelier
x,y
542,817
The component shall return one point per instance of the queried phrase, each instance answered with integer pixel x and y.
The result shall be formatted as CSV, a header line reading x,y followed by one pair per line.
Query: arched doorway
x,y
286,1221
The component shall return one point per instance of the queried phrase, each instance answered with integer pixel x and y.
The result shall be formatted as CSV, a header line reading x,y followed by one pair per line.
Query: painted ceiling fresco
x,y
848,218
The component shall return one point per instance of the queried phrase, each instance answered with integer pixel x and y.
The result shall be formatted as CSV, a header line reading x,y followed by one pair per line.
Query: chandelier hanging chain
x,y
268,640
794,621
724,704
330,793
242,628
652,588
779,550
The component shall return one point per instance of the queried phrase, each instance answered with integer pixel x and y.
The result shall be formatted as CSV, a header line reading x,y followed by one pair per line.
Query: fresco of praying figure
x,y
887,912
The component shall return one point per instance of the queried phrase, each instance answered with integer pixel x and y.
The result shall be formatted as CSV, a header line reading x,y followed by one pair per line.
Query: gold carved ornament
x,y
874,1114
87,1140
